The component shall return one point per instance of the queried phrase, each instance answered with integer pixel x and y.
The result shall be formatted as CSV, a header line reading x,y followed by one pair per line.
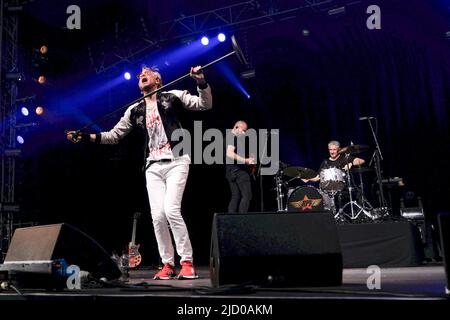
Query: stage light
x,y
127,75
20,139
42,80
205,41
248,96
39,111
221,37
25,111
305,32
43,50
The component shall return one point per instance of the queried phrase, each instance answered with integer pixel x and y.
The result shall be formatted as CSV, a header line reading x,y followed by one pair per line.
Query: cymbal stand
x,y
354,213
363,200
279,188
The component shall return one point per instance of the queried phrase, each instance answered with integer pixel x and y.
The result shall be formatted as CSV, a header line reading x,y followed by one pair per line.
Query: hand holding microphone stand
x,y
76,136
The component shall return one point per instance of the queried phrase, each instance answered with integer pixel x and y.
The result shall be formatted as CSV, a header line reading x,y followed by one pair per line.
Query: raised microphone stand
x,y
377,157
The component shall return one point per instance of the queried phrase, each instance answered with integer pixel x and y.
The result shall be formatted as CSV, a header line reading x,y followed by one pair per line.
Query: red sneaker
x,y
187,271
166,273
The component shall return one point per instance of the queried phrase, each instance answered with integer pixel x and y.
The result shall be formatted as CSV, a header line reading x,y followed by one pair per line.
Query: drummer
x,y
338,159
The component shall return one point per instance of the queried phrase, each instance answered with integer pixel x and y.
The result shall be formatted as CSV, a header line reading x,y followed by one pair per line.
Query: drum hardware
x,y
299,173
332,179
354,149
279,184
356,208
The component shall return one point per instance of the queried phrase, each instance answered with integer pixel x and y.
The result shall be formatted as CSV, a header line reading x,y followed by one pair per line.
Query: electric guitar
x,y
134,257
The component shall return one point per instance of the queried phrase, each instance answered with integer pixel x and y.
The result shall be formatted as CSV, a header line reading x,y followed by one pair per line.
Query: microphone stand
x,y
236,51
378,156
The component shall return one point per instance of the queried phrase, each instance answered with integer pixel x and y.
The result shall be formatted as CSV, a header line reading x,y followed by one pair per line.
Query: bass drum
x,y
308,199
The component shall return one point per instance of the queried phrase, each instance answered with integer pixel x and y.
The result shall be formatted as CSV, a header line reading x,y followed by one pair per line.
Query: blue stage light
x,y
127,75
221,37
25,111
205,41
20,140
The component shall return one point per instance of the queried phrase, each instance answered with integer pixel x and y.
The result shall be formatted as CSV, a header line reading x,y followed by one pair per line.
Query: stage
x,y
415,289
270,143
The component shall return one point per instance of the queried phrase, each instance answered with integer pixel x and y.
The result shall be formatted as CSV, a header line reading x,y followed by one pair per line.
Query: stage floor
x,y
424,282
405,283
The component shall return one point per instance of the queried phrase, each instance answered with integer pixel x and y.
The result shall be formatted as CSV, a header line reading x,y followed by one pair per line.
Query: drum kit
x,y
335,185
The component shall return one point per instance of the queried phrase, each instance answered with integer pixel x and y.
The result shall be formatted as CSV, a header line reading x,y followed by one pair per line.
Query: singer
x,y
166,173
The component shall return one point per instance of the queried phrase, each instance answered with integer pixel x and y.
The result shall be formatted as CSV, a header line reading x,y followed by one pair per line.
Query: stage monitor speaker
x,y
62,241
275,249
444,229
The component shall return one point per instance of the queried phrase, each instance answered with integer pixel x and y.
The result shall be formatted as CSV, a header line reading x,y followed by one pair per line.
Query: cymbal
x,y
358,169
353,149
300,172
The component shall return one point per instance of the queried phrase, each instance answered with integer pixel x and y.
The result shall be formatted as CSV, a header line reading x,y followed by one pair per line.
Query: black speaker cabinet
x,y
62,241
275,249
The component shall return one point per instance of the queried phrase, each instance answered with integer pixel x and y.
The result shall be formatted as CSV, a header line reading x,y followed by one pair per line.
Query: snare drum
x,y
308,199
332,179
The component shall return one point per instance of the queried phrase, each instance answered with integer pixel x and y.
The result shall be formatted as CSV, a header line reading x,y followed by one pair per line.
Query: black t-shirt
x,y
338,163
241,149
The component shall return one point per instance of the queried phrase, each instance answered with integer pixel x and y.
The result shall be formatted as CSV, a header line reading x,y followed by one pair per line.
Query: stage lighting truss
x,y
239,16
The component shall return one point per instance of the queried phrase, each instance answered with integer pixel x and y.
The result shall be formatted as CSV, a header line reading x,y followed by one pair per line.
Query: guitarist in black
x,y
238,167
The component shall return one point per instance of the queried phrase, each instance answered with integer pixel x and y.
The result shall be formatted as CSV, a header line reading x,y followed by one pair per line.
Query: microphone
x,y
366,118
74,135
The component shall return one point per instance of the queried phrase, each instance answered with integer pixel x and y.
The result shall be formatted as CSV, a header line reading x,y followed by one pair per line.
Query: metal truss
x,y
8,95
240,16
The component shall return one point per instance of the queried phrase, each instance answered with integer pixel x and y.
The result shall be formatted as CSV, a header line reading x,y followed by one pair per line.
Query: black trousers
x,y
241,191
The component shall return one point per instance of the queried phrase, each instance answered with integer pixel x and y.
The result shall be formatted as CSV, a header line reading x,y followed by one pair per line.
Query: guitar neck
x,y
133,234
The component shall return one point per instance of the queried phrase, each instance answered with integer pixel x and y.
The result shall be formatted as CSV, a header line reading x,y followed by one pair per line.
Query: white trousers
x,y
165,187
